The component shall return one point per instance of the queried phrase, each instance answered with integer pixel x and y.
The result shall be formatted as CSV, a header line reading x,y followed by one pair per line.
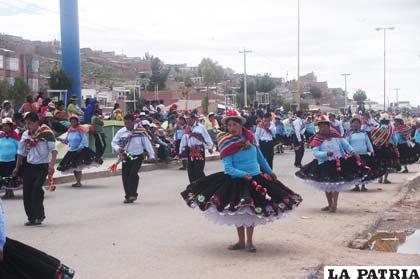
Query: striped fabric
x,y
381,136
229,144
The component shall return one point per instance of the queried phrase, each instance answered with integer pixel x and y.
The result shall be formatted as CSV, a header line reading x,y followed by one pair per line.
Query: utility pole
x,y
245,84
396,96
345,89
298,62
384,29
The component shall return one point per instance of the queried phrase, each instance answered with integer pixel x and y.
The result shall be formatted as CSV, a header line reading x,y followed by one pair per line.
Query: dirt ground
x,y
90,230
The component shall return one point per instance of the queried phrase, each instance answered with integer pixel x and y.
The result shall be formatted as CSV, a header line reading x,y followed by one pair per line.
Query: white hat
x,y
153,125
384,116
142,113
48,114
7,120
230,114
6,102
399,116
145,123
51,105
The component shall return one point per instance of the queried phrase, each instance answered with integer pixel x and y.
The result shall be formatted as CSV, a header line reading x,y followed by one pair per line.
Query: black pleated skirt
x,y
79,160
238,202
24,262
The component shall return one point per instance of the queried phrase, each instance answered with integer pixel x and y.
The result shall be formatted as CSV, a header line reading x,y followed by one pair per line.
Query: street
x,y
92,231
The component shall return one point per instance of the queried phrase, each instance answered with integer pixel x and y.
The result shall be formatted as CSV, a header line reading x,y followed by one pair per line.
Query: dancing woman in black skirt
x,y
242,196
20,261
404,143
79,156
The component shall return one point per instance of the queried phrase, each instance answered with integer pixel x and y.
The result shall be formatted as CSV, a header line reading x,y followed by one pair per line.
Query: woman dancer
x,y
242,196
330,171
406,148
417,136
9,142
386,154
362,145
20,261
79,156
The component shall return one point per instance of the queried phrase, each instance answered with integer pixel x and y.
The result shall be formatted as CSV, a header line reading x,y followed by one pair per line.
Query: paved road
x,y
91,230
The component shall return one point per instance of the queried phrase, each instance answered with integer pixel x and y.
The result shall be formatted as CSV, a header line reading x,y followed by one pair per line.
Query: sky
x,y
336,36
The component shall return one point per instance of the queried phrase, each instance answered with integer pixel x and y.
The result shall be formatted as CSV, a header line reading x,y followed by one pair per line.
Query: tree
x,y
4,90
186,90
315,92
159,74
251,90
264,83
18,92
360,96
205,104
210,71
59,80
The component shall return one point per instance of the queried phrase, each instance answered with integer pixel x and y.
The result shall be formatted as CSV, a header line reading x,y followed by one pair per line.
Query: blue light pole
x,y
70,45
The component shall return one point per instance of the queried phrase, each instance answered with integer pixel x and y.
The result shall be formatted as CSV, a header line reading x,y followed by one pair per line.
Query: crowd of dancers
x,y
348,152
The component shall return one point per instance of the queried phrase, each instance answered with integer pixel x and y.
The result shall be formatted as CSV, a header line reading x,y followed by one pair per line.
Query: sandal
x,y
236,246
250,248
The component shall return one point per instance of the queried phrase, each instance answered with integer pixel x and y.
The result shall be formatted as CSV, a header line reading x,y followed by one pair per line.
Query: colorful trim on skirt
x,y
332,176
237,202
79,160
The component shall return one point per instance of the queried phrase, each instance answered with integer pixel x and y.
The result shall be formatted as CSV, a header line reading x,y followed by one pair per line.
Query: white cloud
x,y
336,36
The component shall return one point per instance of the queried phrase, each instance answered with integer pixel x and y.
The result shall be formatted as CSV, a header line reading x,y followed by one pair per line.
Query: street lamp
x,y
384,29
396,96
345,89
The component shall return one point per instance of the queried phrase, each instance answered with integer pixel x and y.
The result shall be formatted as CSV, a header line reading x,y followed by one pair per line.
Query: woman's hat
x,y
73,98
145,123
7,120
384,116
6,102
399,117
233,114
51,105
48,114
323,119
354,118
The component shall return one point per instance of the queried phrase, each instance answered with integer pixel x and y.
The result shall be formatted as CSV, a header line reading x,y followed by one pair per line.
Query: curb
x,y
105,173
373,224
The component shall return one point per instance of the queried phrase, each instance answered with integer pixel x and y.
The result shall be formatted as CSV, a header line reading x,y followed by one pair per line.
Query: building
x,y
17,65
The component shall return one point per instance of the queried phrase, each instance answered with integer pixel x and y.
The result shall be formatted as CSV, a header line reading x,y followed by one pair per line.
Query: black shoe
x,y
38,222
405,171
128,201
30,223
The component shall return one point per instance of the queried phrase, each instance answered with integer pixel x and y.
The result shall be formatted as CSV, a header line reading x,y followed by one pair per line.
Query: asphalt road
x,y
92,231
